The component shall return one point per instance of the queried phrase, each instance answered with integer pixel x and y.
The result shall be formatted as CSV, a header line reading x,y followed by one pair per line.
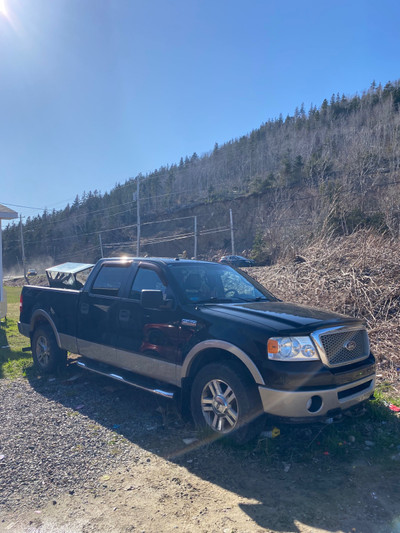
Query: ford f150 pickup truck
x,y
206,333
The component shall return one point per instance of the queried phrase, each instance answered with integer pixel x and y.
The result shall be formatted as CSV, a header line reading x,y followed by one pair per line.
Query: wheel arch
x,y
41,317
212,351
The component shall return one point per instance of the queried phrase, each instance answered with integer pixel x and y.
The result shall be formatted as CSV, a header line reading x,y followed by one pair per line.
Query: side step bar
x,y
135,381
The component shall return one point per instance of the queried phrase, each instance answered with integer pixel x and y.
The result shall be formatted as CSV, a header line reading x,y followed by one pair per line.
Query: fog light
x,y
314,404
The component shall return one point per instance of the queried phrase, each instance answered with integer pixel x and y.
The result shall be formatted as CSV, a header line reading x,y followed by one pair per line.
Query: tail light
x,y
20,303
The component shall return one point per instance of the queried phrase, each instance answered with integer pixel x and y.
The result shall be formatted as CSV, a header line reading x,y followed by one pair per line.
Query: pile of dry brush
x,y
358,275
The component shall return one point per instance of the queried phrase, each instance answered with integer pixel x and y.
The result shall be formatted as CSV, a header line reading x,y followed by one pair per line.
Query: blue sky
x,y
93,92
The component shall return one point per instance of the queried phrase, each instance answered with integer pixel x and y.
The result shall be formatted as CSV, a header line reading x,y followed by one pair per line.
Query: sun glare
x,y
3,9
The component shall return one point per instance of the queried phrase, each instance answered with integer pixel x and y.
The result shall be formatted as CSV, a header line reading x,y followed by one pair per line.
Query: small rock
x,y
352,438
189,440
73,378
369,443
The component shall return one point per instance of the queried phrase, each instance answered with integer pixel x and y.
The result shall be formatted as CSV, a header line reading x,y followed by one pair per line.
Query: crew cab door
x,y
149,340
98,313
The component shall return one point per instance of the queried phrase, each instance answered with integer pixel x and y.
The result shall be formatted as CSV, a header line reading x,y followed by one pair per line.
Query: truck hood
x,y
279,316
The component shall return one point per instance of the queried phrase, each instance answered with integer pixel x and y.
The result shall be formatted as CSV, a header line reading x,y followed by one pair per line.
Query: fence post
x,y
232,235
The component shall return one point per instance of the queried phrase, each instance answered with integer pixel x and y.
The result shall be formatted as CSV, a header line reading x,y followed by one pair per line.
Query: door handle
x,y
84,308
124,315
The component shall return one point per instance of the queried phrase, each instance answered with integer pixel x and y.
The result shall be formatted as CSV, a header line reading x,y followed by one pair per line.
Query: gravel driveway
x,y
83,454
64,434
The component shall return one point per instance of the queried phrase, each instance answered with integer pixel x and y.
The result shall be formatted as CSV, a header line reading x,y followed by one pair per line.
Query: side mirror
x,y
151,299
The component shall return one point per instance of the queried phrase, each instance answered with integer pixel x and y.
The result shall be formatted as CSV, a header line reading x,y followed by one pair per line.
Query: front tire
x,y
47,356
225,403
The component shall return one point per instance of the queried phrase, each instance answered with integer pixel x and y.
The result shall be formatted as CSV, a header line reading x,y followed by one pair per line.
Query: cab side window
x,y
146,279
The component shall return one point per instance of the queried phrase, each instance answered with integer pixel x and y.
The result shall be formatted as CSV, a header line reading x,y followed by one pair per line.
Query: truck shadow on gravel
x,y
338,477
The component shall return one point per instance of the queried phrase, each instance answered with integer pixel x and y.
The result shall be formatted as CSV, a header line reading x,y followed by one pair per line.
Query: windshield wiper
x,y
214,300
232,299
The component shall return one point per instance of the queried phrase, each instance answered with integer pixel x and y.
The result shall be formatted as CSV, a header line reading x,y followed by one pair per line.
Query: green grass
x,y
13,294
386,392
374,436
14,362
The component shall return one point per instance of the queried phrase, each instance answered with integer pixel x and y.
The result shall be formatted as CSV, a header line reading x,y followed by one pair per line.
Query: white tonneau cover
x,y
69,268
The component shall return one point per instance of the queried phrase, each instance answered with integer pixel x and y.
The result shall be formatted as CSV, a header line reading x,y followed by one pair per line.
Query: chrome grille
x,y
343,346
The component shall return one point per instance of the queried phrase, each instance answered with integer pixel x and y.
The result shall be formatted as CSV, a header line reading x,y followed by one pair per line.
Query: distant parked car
x,y
32,272
236,260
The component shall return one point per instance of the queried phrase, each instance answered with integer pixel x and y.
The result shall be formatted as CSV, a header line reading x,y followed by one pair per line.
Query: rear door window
x,y
109,280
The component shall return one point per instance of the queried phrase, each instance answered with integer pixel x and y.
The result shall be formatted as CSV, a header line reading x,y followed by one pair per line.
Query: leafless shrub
x,y
358,275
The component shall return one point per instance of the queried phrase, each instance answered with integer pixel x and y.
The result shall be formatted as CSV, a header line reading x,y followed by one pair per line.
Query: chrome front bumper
x,y
315,403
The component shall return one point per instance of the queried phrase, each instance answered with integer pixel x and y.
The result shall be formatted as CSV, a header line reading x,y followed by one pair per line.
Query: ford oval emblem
x,y
351,345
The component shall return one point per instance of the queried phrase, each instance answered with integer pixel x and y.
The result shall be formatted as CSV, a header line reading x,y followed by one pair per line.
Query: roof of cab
x,y
165,260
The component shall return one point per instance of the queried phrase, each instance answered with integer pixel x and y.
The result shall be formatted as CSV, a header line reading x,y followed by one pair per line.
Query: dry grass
x,y
358,275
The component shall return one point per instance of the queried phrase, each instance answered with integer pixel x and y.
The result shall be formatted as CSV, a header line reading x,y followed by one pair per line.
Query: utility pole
x,y
22,247
138,219
232,235
1,267
101,245
195,237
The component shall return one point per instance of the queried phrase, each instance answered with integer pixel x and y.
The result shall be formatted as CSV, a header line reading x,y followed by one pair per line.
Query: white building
x,y
5,214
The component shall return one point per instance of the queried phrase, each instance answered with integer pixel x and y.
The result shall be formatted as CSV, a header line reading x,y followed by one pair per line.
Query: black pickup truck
x,y
207,334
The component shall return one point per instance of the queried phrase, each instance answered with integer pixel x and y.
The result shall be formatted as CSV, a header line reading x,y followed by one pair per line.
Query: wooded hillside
x,y
336,168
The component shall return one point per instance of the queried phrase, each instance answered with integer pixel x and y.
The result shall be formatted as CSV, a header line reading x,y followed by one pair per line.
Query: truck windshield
x,y
209,282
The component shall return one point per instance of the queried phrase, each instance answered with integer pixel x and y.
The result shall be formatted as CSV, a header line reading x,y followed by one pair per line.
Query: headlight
x,y
291,349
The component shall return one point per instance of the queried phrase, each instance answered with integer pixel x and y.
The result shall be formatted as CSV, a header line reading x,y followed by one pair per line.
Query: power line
x,y
105,230
167,238
181,192
33,207
79,253
313,196
89,213
24,206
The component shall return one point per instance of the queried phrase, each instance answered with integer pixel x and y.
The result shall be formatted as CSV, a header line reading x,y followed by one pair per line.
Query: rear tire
x,y
47,356
225,403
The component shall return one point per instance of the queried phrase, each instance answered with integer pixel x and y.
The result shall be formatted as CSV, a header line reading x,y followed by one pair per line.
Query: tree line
x,y
336,167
